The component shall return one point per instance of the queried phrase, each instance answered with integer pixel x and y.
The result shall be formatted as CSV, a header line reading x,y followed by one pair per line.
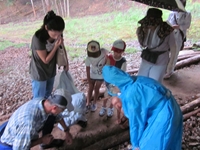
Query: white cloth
x,y
96,64
79,103
65,81
183,20
157,70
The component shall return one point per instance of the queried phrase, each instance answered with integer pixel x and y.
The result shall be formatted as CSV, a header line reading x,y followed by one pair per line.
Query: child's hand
x,y
118,121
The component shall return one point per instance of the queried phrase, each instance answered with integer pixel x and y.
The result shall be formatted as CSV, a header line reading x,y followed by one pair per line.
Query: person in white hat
x,y
22,129
116,59
94,62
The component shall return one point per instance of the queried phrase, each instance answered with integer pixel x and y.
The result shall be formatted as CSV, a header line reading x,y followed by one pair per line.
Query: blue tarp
x,y
155,118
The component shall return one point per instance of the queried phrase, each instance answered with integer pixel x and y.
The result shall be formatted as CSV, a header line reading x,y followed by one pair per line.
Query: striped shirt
x,y
25,124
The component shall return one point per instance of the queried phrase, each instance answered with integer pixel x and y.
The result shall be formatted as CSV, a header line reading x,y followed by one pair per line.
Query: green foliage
x,y
9,2
5,44
105,28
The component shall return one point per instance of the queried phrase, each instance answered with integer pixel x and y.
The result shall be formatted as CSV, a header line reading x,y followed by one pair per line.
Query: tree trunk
x,y
48,5
43,6
68,15
61,8
58,13
33,9
65,8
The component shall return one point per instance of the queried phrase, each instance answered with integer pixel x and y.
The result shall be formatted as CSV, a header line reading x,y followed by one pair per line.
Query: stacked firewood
x,y
191,114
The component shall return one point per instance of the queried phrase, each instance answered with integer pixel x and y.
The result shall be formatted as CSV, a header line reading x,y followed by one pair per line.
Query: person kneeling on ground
x,y
22,129
155,118
77,116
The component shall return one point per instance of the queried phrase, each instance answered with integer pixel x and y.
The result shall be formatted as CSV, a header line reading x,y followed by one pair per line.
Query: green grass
x,y
105,28
5,44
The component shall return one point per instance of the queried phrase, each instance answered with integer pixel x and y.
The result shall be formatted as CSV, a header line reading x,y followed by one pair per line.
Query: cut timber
x,y
192,113
181,57
187,62
100,134
113,141
190,106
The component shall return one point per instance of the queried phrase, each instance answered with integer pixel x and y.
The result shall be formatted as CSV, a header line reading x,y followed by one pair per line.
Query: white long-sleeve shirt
x,y
183,19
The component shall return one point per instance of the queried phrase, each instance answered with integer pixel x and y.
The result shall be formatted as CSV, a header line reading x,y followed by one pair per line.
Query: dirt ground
x,y
15,89
15,82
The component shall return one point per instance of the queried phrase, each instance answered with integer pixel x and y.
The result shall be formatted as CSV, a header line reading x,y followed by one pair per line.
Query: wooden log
x,y
187,62
113,141
182,57
192,113
190,106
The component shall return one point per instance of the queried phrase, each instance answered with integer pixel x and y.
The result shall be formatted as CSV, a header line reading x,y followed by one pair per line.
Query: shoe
x,y
102,111
81,123
110,112
93,107
168,75
54,143
87,109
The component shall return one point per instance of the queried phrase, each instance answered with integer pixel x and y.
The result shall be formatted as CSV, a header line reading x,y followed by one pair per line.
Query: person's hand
x,y
47,139
137,148
175,26
66,68
118,121
68,138
59,42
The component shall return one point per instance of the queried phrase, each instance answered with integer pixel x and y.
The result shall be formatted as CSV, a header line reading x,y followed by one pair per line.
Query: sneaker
x,y
87,109
54,143
102,111
110,112
93,107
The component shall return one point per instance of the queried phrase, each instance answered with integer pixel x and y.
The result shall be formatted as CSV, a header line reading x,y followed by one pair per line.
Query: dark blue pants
x,y
2,128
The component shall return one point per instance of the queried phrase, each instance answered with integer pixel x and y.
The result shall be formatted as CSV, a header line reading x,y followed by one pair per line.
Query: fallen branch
x,y
192,113
182,57
187,62
190,106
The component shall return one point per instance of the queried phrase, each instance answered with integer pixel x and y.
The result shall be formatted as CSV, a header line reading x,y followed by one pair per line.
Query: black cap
x,y
154,12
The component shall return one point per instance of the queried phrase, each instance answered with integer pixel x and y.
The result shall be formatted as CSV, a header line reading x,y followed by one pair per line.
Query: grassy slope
x,y
104,28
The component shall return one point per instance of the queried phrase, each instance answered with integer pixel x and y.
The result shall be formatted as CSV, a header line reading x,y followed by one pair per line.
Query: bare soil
x,y
15,89
15,82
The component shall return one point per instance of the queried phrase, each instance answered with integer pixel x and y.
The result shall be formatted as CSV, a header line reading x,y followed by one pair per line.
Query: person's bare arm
x,y
46,58
67,133
47,139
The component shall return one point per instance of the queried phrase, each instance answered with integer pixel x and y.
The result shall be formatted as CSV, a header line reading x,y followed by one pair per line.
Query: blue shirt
x,y
24,125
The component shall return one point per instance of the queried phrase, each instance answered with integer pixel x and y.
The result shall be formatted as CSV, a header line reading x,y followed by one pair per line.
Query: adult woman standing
x,y
44,45
156,39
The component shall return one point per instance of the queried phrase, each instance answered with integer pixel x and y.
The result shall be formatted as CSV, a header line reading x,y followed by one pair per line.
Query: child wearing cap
x,y
116,59
94,62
